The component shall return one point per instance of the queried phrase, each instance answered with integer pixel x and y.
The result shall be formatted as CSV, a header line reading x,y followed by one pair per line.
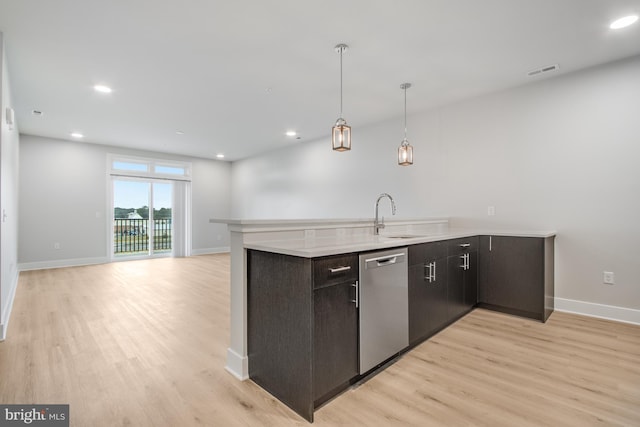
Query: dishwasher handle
x,y
383,261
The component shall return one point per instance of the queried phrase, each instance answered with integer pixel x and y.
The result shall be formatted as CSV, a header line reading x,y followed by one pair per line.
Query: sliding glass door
x,y
142,217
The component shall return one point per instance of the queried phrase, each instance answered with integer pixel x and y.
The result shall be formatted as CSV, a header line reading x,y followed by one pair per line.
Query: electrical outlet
x,y
608,277
309,234
56,245
491,210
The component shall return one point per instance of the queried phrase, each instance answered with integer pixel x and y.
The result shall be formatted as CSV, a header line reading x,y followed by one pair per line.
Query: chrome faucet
x,y
377,225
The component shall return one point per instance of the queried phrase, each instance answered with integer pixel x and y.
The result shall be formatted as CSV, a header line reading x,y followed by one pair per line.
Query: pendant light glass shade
x,y
405,151
341,136
341,132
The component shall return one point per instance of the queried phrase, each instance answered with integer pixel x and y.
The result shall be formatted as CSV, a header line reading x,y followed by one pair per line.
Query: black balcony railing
x,y
131,236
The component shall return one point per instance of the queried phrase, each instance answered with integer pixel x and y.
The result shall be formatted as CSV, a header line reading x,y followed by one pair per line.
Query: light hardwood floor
x,y
143,343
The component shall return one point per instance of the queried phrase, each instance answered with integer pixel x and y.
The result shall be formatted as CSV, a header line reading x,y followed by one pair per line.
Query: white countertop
x,y
322,246
266,225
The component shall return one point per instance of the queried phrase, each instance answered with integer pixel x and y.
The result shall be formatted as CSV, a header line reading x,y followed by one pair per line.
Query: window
x,y
149,168
170,170
130,166
150,203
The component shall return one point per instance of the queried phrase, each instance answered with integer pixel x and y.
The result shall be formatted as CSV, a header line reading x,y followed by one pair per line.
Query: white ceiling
x,y
235,75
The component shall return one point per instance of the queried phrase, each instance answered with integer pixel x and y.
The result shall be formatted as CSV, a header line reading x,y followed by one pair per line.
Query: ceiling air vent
x,y
543,70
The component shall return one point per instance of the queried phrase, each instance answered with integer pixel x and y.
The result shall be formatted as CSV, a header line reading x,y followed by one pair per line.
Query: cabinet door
x,y
418,301
437,301
279,327
471,281
335,337
427,299
512,274
455,286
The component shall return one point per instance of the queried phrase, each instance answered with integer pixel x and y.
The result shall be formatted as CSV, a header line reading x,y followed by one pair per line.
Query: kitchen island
x,y
287,314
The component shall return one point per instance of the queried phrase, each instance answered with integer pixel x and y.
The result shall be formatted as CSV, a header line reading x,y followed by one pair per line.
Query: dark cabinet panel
x,y
335,337
462,265
455,286
302,333
280,326
335,269
462,245
471,281
422,252
427,299
516,275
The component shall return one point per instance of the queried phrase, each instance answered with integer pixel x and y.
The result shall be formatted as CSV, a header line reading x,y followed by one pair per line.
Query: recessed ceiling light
x,y
77,135
102,89
623,22
291,133
220,156
542,70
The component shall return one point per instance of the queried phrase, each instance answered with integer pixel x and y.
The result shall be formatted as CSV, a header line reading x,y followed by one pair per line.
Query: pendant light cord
x,y
341,50
405,112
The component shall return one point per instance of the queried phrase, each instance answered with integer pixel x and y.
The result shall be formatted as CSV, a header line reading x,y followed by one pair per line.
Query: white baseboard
x,y
61,263
40,265
207,251
237,365
6,312
610,312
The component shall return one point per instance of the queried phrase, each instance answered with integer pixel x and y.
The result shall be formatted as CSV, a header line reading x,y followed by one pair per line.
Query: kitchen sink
x,y
403,236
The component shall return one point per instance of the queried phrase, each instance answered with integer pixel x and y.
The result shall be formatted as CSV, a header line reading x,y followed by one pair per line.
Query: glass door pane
x,y
131,217
162,217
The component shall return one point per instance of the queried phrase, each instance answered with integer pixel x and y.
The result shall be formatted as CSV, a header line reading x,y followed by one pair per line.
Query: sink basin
x,y
403,236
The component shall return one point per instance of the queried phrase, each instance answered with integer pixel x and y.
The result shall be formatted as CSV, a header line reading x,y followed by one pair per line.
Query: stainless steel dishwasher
x,y
384,306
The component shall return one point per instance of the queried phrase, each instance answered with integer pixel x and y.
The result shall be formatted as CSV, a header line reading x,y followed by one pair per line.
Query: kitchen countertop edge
x,y
317,247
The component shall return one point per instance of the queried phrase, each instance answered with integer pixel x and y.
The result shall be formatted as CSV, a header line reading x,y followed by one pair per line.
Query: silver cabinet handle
x,y
357,300
339,269
428,268
430,274
465,245
465,261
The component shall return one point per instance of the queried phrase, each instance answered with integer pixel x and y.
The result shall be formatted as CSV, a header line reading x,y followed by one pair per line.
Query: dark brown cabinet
x,y
335,337
462,288
302,317
302,327
427,290
516,275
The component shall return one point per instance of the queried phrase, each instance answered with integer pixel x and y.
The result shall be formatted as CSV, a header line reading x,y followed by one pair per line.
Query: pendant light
x,y
341,132
405,151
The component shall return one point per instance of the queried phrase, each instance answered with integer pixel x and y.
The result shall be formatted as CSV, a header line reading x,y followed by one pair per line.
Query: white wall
x,y
9,153
558,154
211,189
64,198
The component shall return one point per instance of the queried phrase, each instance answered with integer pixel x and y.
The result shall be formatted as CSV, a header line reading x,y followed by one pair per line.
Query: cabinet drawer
x,y
334,269
461,246
427,252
